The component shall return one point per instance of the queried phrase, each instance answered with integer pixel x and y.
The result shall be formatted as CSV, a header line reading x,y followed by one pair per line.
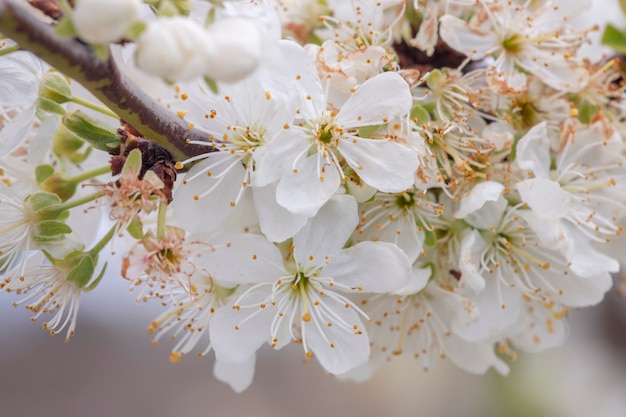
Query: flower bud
x,y
174,48
104,21
239,45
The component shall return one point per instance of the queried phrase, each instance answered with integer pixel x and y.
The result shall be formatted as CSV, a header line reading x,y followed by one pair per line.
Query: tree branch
x,y
103,79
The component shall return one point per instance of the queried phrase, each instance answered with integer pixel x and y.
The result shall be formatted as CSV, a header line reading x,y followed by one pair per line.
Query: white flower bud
x,y
104,21
239,45
174,48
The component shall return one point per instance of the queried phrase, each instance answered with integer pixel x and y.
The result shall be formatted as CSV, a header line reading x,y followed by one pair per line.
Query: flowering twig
x,y
103,79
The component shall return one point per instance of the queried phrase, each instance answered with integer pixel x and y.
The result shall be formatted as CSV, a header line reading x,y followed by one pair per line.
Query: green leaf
x,y
98,134
622,4
614,38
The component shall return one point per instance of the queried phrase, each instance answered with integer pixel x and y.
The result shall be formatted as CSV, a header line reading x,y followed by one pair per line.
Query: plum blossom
x,y
308,297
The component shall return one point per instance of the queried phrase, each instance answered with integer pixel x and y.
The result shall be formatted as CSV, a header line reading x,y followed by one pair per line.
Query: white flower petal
x,y
191,209
327,232
277,223
390,93
237,346
278,158
545,197
472,41
374,267
348,350
533,151
308,190
237,375
383,164
242,258
478,196
476,358
15,132
472,247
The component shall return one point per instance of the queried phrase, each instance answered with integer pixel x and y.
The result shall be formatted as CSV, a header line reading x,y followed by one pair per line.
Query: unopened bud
x,y
104,21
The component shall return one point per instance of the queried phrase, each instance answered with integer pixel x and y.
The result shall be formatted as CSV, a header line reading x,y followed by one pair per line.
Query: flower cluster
x,y
437,178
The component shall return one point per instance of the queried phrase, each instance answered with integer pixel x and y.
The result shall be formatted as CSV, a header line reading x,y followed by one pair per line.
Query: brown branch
x,y
103,79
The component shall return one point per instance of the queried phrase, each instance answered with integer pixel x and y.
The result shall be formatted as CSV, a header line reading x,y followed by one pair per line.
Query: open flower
x,y
308,297
537,41
308,158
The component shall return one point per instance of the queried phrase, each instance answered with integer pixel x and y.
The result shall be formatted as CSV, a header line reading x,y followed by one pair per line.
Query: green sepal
x,y
93,131
135,30
65,28
435,80
51,231
60,184
430,237
210,17
66,144
101,50
420,115
368,131
614,38
211,84
135,228
96,281
43,172
622,4
81,273
46,107
41,201
56,87
133,162
587,111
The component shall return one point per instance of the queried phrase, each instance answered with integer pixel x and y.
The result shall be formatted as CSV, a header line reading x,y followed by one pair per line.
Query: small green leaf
x,y
614,38
96,281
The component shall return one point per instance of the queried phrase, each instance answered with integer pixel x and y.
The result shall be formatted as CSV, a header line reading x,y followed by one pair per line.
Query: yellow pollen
x,y
179,165
268,96
181,114
306,317
175,357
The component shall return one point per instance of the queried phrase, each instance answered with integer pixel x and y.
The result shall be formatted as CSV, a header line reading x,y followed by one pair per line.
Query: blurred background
x,y
110,369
